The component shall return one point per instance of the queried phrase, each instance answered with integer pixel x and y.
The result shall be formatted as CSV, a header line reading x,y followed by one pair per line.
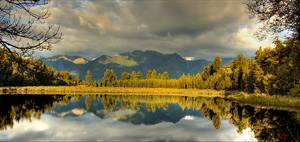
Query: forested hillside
x,y
18,71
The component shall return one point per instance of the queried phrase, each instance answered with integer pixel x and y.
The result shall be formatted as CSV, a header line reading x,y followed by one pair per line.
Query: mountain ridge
x,y
136,60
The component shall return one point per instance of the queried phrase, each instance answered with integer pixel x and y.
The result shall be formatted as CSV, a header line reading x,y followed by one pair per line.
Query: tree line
x,y
18,71
272,71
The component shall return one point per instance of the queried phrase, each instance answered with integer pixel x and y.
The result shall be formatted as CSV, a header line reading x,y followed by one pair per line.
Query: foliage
x,y
110,78
274,71
276,16
280,65
217,64
88,77
295,91
18,71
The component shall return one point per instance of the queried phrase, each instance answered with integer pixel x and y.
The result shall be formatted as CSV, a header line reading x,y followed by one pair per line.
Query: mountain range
x,y
136,60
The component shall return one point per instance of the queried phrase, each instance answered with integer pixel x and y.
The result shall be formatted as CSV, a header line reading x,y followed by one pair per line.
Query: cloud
x,y
191,27
91,127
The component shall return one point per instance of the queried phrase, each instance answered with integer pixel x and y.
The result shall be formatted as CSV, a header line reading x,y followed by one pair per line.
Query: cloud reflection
x,y
91,127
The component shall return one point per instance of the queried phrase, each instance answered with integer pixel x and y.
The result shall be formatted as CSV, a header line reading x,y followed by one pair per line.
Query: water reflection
x,y
120,117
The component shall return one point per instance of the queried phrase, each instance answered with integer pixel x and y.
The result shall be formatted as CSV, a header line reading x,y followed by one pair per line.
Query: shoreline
x,y
81,90
237,96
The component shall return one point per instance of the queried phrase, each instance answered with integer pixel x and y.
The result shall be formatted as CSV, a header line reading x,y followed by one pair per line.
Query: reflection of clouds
x,y
188,117
73,112
247,135
91,127
121,114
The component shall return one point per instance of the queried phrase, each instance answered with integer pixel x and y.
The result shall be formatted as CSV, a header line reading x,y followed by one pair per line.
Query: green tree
x,y
136,75
206,72
109,78
217,64
240,68
281,64
18,71
163,76
77,80
88,77
126,76
198,81
151,74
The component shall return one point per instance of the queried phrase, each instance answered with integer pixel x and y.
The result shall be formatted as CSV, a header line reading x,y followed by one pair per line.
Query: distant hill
x,y
137,60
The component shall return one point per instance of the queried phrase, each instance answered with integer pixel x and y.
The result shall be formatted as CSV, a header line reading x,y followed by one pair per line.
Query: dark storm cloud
x,y
190,27
188,16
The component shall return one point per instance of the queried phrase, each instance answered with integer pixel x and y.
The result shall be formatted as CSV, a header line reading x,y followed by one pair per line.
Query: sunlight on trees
x,y
17,71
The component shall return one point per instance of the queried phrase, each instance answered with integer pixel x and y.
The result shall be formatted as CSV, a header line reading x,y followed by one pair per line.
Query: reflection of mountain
x,y
173,114
267,124
143,115
73,113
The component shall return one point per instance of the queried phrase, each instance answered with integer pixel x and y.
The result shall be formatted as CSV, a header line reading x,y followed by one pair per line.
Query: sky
x,y
191,28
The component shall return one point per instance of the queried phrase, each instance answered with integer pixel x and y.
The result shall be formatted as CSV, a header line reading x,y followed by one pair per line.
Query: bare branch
x,y
276,16
22,27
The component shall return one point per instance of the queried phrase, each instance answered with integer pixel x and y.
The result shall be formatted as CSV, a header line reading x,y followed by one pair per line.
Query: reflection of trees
x,y
267,124
109,103
25,107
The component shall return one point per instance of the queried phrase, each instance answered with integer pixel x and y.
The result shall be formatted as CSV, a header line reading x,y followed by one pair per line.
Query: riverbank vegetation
x,y
274,71
256,99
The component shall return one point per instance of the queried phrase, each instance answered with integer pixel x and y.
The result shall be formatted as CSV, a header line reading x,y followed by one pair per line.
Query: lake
x,y
142,118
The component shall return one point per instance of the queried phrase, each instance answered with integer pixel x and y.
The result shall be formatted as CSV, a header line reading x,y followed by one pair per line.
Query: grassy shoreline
x,y
266,101
79,90
240,97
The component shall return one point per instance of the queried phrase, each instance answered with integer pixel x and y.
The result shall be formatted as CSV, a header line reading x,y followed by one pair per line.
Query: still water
x,y
141,118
